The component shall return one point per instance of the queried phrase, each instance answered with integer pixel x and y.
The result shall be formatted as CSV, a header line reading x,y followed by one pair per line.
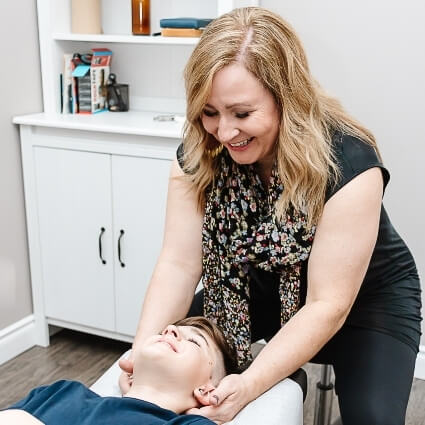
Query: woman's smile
x,y
242,145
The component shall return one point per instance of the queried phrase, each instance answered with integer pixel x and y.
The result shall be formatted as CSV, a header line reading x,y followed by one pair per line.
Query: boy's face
x,y
185,353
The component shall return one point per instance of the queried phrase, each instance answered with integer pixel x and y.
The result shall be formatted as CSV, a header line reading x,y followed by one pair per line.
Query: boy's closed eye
x,y
195,342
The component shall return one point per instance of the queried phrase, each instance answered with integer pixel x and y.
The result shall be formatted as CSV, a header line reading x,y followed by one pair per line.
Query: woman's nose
x,y
173,331
226,132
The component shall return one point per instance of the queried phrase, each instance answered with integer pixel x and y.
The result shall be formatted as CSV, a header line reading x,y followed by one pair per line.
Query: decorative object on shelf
x,y
84,79
140,10
86,17
183,27
81,74
118,96
169,117
180,32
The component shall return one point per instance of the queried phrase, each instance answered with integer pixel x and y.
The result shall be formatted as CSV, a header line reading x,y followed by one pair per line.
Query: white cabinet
x,y
139,188
74,208
101,220
95,205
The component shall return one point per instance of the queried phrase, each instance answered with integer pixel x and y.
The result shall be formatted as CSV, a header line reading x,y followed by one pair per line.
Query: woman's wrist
x,y
252,385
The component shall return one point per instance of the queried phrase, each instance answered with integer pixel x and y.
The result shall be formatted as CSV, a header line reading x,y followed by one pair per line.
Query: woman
x,y
276,200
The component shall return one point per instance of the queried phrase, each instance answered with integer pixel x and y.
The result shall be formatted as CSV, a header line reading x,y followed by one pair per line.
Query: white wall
x,y
371,55
20,94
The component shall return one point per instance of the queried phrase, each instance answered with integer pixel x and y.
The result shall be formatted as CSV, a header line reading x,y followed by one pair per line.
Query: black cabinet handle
x,y
119,248
102,231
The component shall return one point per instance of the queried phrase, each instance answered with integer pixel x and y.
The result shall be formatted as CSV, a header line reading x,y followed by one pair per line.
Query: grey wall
x,y
20,94
370,54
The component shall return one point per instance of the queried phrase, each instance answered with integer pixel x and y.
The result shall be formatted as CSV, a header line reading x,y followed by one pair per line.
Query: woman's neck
x,y
264,170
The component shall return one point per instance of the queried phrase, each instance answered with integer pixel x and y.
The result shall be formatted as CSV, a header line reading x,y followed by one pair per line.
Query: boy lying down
x,y
173,372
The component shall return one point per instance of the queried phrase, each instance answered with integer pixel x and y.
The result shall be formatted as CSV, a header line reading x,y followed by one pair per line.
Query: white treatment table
x,y
282,404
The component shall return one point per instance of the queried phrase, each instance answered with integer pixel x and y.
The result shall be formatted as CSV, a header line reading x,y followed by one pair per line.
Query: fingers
x,y
214,399
207,397
221,404
224,390
125,381
126,365
203,395
209,412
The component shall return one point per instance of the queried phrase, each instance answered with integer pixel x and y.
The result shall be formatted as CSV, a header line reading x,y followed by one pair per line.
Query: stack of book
x,y
183,27
84,82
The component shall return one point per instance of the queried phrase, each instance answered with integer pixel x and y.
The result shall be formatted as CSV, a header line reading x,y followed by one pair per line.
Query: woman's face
x,y
242,115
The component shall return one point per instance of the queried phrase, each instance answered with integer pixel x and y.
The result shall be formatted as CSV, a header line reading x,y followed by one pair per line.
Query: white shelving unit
x,y
151,65
138,123
130,39
96,185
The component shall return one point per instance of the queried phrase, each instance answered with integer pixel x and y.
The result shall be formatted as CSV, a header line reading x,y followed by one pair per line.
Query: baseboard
x,y
17,338
420,363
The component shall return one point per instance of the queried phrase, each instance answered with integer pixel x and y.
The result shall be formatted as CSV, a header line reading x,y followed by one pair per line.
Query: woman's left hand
x,y
230,396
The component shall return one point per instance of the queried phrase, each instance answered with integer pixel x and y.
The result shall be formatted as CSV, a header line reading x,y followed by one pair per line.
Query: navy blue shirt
x,y
72,403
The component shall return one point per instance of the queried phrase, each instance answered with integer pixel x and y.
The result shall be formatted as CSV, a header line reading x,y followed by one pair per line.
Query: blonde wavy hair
x,y
268,47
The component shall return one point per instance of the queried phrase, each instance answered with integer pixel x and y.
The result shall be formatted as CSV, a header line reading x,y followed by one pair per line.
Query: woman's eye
x,y
209,113
242,115
194,341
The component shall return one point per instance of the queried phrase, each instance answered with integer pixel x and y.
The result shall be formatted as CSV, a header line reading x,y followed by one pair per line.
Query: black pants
x,y
373,371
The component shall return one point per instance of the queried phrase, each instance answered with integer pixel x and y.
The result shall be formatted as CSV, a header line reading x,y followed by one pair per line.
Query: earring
x,y
215,151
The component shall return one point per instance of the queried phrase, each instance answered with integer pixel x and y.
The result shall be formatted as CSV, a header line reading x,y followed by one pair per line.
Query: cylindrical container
x,y
86,17
140,10
118,97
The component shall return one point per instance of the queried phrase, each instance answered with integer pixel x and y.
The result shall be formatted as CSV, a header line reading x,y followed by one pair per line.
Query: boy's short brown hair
x,y
214,332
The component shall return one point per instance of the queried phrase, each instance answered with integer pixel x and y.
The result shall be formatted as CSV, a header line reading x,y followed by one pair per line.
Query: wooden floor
x,y
73,355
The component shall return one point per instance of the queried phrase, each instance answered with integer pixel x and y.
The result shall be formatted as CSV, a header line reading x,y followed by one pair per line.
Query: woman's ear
x,y
202,394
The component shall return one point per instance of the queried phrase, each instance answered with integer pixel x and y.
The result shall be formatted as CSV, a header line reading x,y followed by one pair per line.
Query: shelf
x,y
133,122
118,38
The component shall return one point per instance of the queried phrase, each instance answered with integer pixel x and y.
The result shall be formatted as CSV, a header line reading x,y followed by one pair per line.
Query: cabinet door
x,y
74,205
139,192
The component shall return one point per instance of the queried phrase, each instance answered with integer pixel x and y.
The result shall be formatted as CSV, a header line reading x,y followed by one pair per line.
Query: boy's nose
x,y
173,331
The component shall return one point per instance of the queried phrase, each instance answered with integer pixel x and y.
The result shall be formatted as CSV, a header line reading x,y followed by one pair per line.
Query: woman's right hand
x,y
126,378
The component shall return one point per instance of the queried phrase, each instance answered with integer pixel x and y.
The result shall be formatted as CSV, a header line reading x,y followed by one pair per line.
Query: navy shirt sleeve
x,y
353,157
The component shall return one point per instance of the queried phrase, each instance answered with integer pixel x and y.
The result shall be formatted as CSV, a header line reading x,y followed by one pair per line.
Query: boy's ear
x,y
202,394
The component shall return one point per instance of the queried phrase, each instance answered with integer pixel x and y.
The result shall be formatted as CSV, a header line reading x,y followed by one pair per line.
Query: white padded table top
x,y
282,404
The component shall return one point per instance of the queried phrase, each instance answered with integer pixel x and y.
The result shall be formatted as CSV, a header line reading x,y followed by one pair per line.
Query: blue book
x,y
194,23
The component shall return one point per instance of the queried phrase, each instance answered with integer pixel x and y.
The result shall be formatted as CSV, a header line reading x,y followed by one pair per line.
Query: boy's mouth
x,y
169,343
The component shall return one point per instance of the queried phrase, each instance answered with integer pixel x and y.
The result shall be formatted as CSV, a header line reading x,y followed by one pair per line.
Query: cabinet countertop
x,y
132,122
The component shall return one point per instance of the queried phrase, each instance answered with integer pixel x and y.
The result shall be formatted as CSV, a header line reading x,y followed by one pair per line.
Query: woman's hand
x,y
126,378
230,396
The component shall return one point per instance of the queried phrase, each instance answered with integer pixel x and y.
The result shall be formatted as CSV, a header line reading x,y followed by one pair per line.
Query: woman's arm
x,y
340,255
179,266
